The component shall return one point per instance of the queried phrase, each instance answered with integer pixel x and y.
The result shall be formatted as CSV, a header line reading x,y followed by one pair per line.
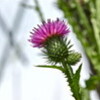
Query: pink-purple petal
x,y
46,30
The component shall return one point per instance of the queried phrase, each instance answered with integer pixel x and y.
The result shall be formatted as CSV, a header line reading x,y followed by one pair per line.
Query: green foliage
x,y
85,94
84,17
92,82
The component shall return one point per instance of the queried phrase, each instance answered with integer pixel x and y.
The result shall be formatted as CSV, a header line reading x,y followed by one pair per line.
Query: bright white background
x,y
28,82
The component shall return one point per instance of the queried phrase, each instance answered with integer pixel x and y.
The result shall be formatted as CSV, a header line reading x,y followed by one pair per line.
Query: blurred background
x,y
19,78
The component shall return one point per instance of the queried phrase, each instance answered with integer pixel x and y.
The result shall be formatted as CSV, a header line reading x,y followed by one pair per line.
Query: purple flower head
x,y
48,29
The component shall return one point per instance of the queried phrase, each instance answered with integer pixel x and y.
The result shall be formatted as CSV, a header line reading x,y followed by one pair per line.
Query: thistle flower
x,y
51,37
47,30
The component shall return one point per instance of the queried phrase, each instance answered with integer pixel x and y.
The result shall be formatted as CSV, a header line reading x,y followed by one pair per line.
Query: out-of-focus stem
x,y
37,8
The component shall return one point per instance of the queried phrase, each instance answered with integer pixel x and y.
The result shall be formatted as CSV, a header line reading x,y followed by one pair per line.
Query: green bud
x,y
56,49
73,58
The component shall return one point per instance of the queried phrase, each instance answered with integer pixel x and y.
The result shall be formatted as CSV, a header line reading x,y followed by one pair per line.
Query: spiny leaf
x,y
75,84
52,66
77,77
77,74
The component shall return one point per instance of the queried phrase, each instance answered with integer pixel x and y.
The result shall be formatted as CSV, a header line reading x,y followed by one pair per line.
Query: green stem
x,y
68,70
38,9
70,75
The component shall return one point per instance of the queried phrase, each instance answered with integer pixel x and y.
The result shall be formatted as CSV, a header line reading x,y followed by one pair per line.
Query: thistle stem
x,y
68,71
70,75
